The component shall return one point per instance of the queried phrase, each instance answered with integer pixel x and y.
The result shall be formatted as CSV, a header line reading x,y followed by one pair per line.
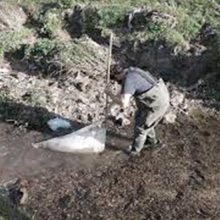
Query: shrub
x,y
89,19
41,52
10,41
55,57
112,16
50,23
175,40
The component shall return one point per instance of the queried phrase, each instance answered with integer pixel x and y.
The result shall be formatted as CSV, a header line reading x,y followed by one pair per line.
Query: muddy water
x,y
18,158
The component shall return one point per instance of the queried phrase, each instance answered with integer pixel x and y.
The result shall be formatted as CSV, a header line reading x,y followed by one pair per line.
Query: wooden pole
x,y
108,75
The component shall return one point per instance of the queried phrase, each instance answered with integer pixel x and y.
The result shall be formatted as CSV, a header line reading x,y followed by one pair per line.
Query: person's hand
x,y
120,115
114,109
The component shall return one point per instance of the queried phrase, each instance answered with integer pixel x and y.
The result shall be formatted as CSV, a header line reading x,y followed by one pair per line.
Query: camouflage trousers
x,y
152,106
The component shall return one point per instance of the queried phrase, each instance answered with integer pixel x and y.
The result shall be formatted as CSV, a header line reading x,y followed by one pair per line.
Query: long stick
x,y
108,75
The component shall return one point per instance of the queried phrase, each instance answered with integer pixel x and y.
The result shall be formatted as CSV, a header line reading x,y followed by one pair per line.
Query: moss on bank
x,y
187,17
11,41
9,211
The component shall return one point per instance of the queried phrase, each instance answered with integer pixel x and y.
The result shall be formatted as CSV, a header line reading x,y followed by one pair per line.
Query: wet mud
x,y
180,180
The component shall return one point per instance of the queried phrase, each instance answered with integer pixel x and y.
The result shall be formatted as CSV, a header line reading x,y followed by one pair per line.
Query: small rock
x,y
4,70
170,118
24,197
21,76
58,123
177,98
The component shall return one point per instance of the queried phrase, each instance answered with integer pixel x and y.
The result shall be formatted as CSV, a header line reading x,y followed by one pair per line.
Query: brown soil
x,y
180,180
18,159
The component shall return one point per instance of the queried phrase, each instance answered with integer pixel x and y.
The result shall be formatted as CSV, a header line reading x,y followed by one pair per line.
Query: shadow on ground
x,y
22,125
30,118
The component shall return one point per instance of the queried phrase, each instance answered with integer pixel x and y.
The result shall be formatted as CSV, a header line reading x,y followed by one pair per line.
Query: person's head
x,y
117,73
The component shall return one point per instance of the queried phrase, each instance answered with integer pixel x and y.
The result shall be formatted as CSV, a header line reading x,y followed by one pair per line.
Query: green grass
x,y
49,23
4,95
112,16
41,52
11,41
9,211
38,3
55,57
108,15
190,16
